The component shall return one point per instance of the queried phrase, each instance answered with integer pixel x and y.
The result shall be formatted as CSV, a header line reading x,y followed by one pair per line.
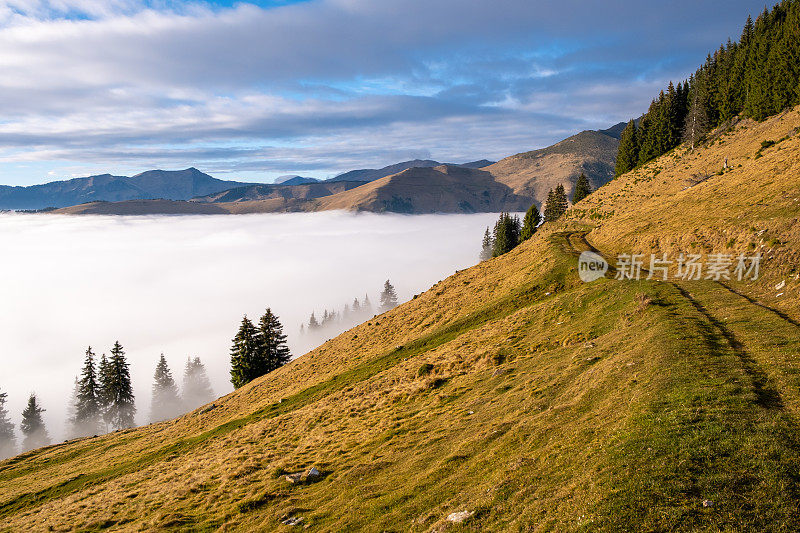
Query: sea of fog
x,y
179,285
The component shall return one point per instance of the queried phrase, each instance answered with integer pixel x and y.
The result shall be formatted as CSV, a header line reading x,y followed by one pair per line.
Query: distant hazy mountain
x,y
166,184
294,180
284,195
372,174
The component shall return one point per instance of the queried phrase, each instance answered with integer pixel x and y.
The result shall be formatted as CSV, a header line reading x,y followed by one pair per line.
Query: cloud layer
x,y
180,285
326,85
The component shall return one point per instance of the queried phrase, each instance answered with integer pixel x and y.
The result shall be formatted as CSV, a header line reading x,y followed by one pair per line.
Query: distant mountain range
x,y
295,180
372,174
417,186
163,184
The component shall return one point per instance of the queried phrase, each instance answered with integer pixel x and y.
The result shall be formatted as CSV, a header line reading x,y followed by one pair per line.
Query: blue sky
x,y
255,90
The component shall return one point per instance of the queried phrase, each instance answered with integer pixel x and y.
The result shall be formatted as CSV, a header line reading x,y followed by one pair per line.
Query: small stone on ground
x,y
459,517
294,478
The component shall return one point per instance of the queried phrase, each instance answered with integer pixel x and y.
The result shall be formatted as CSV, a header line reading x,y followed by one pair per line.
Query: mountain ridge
x,y
529,175
151,184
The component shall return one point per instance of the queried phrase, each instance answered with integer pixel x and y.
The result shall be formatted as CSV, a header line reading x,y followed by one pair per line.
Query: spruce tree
x,y
197,389
530,223
272,343
356,306
313,324
32,426
165,402
8,440
582,189
88,409
366,305
628,154
72,430
506,234
556,204
388,297
122,403
105,395
244,354
486,246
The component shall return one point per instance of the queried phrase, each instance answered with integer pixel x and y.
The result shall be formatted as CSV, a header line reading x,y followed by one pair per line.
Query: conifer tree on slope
x,y
8,440
105,394
32,426
506,234
556,204
119,390
197,389
366,305
530,223
72,430
486,246
696,124
166,402
244,354
87,410
272,342
313,323
388,297
628,154
582,189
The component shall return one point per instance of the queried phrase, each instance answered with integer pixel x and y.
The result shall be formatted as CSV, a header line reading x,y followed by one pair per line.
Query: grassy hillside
x,y
510,390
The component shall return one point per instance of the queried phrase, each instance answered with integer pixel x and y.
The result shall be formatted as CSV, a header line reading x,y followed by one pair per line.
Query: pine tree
x,y
487,246
628,154
556,204
506,234
530,223
72,430
32,426
105,395
8,440
272,343
366,305
582,189
87,410
197,389
312,322
122,403
356,306
696,124
388,297
165,401
244,354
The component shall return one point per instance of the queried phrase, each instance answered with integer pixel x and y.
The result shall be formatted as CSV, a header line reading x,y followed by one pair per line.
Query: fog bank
x,y
180,285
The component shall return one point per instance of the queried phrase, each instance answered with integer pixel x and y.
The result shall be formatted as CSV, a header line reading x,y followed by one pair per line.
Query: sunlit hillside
x,y
510,396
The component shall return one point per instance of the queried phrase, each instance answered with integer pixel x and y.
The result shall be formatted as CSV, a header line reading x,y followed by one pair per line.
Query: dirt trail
x,y
761,337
